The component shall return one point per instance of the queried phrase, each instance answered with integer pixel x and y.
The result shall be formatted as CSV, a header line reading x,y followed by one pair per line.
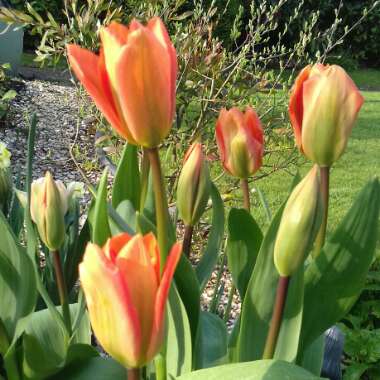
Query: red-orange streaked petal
x,y
110,305
161,298
296,104
253,124
143,74
90,71
139,275
114,245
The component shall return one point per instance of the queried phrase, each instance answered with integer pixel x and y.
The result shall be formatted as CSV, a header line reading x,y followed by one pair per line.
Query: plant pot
x,y
11,45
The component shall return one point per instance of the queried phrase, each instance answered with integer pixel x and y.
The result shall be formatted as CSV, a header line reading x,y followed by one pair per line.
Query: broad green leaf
x,y
257,370
178,344
258,306
233,353
127,178
211,253
127,212
259,298
243,245
313,355
188,288
290,331
92,369
46,344
211,341
334,280
75,255
100,226
18,289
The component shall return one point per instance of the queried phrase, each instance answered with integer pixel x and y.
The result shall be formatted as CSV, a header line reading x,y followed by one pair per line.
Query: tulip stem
x,y
187,238
245,189
144,179
62,290
134,373
325,186
275,323
161,203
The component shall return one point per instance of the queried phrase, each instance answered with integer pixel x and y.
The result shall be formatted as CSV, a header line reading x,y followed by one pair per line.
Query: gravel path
x,y
60,126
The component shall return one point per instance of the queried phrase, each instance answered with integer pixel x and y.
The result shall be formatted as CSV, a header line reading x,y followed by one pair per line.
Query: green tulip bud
x,y
48,209
5,177
5,189
299,225
194,184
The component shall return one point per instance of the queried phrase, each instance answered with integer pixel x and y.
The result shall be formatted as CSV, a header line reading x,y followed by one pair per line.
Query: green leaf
x,y
18,289
92,369
46,344
290,331
243,244
100,226
334,280
188,288
212,341
178,344
31,236
313,355
127,178
127,212
210,255
259,298
257,370
75,255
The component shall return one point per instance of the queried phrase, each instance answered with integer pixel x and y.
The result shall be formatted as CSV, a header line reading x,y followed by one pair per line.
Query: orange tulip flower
x,y
132,80
126,295
323,107
240,141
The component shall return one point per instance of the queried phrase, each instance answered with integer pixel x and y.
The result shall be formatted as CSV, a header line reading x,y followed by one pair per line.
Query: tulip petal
x,y
151,246
115,244
143,73
90,71
158,28
119,32
161,298
112,314
333,102
135,264
253,124
296,104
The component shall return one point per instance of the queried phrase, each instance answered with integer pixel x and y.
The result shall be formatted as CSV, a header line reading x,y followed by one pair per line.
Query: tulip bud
x,y
194,183
126,295
5,177
48,208
132,80
240,141
5,189
323,108
299,225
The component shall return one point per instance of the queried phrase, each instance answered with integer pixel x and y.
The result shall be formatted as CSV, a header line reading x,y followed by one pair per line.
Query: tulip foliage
x,y
123,280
